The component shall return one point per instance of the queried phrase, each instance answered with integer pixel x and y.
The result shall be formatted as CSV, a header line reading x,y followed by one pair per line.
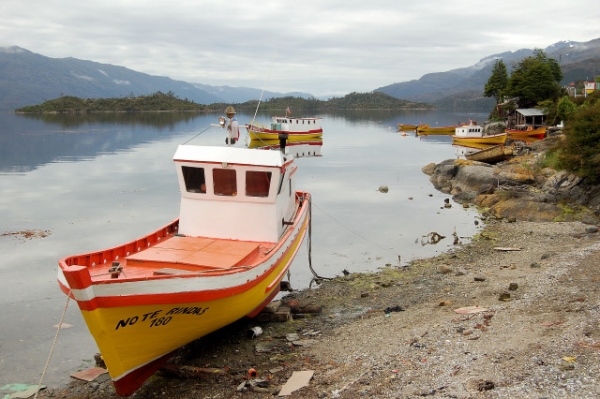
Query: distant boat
x,y
406,127
295,128
471,133
525,132
240,225
427,129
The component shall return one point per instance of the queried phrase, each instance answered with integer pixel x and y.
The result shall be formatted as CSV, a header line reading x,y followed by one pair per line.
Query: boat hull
x,y
257,133
533,134
138,322
491,139
441,130
491,155
406,127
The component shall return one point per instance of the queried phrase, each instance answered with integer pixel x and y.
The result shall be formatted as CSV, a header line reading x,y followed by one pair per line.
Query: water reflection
x,y
93,183
299,149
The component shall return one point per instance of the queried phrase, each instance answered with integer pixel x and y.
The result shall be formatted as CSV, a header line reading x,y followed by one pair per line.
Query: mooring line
x,y
310,243
53,346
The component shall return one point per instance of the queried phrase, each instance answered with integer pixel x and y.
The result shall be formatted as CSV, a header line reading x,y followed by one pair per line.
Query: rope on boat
x,y
53,345
310,243
209,126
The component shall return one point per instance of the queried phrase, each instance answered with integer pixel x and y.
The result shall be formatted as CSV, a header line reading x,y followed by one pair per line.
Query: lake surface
x,y
92,182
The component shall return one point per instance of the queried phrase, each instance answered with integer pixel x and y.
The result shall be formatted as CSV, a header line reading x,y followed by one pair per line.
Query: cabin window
x,y
194,179
258,183
224,182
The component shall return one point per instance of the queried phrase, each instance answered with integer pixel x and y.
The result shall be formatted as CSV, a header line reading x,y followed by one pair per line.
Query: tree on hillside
x,y
580,151
536,78
565,108
498,81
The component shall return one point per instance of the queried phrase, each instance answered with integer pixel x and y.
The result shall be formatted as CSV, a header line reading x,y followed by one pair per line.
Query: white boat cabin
x,y
234,193
289,124
470,130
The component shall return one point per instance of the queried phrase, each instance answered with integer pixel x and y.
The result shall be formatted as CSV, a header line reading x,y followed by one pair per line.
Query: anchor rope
x,y
62,317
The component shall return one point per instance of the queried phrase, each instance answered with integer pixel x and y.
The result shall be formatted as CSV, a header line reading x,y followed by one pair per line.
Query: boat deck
x,y
179,255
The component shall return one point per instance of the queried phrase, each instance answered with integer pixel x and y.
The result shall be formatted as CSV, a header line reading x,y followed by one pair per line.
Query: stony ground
x,y
514,314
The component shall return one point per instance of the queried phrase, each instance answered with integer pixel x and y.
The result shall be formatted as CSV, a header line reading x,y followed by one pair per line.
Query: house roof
x,y
530,112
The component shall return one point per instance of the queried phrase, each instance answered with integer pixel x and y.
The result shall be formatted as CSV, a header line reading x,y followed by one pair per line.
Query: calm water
x,y
94,182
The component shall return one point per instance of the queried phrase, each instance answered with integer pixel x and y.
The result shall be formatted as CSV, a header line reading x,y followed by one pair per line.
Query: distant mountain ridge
x,y
27,78
577,60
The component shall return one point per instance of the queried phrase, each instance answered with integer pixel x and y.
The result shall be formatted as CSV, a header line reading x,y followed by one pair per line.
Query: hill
x,y
169,102
28,78
463,87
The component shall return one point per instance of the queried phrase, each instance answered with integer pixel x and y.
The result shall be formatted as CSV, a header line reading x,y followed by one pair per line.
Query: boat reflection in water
x,y
298,149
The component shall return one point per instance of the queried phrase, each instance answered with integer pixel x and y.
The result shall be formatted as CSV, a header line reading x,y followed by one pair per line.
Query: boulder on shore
x,y
518,189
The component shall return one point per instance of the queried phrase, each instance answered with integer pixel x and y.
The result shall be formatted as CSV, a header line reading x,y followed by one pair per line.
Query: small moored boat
x,y
525,132
405,127
471,133
427,129
295,128
240,225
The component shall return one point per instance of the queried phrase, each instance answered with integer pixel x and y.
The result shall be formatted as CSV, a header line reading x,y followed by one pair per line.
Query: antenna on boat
x,y
264,87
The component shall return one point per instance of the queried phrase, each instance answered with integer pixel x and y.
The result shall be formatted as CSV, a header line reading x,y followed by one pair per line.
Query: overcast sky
x,y
322,47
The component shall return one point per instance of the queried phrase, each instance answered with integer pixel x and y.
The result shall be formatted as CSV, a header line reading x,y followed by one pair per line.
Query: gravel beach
x,y
513,314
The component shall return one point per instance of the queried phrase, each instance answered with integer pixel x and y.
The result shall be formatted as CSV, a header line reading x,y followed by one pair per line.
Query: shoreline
x,y
537,281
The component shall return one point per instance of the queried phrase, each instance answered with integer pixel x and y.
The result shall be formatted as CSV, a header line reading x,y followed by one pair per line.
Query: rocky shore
x,y
514,313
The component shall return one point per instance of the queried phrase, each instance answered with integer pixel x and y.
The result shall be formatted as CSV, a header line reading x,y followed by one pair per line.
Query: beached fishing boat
x,y
492,154
297,129
471,133
240,225
526,132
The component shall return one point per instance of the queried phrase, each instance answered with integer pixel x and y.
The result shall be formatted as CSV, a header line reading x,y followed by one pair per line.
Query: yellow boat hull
x,y
469,141
138,323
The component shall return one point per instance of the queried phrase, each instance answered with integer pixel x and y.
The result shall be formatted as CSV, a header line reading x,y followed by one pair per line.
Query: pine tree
x,y
498,81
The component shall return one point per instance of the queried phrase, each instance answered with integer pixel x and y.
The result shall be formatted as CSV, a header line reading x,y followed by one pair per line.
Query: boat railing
x,y
114,254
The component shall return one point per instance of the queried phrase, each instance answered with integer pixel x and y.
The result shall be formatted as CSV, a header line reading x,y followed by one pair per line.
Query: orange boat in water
x,y
526,132
240,225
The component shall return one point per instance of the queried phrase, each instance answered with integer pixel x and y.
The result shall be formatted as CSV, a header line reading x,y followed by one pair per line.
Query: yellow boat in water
x,y
471,133
426,129
296,129
240,225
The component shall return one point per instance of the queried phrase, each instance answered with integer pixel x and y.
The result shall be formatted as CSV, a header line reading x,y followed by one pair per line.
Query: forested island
x,y
168,102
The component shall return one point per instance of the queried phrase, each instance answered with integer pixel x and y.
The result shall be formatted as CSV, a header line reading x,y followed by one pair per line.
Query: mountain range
x,y
578,61
27,78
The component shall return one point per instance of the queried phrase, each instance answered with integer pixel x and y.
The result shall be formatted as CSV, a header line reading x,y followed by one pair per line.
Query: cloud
x,y
322,47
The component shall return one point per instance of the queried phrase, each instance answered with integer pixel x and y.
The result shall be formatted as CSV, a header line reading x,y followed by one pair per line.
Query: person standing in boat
x,y
233,129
